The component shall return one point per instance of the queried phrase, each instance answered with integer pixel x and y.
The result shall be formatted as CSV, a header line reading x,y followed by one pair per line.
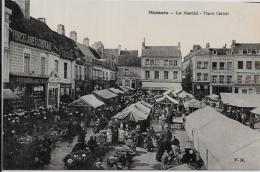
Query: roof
x,y
86,51
246,46
87,100
161,51
95,53
199,52
61,45
115,90
105,94
129,52
241,100
129,60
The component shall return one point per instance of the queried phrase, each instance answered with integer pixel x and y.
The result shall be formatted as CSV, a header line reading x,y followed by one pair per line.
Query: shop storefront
x,y
65,93
30,89
201,89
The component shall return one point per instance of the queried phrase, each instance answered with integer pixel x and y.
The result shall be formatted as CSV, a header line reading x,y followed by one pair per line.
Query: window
x,y
214,65
257,90
85,73
214,78
236,89
166,63
126,71
257,79
257,65
26,63
127,83
198,76
240,64
65,70
229,79
106,76
249,51
244,52
248,79
253,51
248,64
147,74
156,62
151,62
205,65
222,65
229,65
244,91
175,74
239,79
76,72
199,65
156,75
221,79
147,62
175,63
56,63
165,74
80,72
205,76
215,52
170,63
43,65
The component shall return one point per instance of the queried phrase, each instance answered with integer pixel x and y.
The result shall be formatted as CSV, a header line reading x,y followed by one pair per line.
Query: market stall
x,y
223,143
116,91
167,100
9,98
87,100
241,100
193,105
124,88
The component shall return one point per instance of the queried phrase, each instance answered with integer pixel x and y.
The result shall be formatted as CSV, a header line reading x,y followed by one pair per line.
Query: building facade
x,y
215,70
161,67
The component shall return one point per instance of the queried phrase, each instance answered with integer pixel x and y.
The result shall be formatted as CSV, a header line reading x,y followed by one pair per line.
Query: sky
x,y
128,22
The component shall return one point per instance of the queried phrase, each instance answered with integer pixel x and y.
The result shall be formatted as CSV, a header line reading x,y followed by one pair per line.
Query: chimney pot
x,y
42,19
25,7
73,36
86,42
61,29
207,45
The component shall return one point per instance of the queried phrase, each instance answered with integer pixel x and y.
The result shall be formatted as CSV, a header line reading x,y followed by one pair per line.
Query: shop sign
x,y
29,80
31,40
54,77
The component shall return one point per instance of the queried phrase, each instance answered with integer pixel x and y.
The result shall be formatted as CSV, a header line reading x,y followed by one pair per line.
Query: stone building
x,y
161,67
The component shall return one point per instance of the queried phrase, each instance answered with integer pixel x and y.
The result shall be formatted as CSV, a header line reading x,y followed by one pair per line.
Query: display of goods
x,y
25,140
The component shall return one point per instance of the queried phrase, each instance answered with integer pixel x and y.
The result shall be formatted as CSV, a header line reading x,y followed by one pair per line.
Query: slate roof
x,y
161,51
199,52
129,60
86,51
246,46
61,45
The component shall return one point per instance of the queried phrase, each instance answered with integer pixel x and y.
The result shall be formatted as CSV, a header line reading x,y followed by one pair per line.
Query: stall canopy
x,y
105,94
223,143
130,88
213,97
9,95
146,104
87,100
134,112
167,98
240,100
194,103
174,92
184,94
256,111
115,90
124,88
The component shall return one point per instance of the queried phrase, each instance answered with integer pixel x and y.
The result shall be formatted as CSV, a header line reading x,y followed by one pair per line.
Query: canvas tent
x,y
256,111
133,113
9,95
240,100
105,94
213,97
115,90
194,103
146,104
87,100
184,94
221,141
167,99
124,88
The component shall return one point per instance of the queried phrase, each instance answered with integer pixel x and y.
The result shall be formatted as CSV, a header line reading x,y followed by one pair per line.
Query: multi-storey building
x,y
37,55
161,67
214,70
129,69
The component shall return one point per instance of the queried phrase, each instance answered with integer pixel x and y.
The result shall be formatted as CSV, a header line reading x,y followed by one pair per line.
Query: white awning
x,y
166,97
256,111
105,94
161,86
115,90
241,100
9,95
87,100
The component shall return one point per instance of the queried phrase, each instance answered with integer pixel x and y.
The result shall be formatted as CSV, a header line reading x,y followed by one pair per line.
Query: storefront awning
x,y
240,100
9,95
161,86
105,94
115,90
87,100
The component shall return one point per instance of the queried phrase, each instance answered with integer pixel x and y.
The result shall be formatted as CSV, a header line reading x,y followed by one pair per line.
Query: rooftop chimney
x,y
25,7
86,42
208,45
42,19
61,29
73,36
179,45
119,49
233,43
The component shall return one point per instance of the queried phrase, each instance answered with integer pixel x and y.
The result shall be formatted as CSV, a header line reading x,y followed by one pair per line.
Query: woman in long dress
x,y
109,135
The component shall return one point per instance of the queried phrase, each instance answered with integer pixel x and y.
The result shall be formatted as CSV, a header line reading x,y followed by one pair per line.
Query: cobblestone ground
x,y
143,161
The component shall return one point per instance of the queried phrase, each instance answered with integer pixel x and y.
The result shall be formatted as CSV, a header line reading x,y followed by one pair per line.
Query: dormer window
x,y
244,52
253,51
215,52
249,51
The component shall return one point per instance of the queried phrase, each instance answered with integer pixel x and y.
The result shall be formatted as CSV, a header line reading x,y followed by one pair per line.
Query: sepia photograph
x,y
130,85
